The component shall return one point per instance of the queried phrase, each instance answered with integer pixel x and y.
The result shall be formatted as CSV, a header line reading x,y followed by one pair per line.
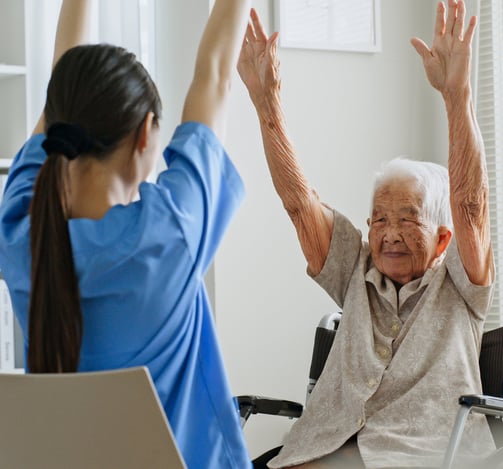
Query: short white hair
x,y
432,178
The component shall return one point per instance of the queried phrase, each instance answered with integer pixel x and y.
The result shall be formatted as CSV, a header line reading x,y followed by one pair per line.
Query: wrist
x,y
454,98
266,102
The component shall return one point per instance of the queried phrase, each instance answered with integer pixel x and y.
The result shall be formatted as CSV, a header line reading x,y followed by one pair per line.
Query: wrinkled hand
x,y
447,63
258,63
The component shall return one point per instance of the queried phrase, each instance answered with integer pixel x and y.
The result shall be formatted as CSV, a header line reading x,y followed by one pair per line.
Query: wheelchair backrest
x,y
491,362
323,340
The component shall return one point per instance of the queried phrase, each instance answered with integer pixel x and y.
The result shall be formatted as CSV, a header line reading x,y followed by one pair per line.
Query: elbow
x,y
293,214
472,213
295,206
216,79
470,197
301,204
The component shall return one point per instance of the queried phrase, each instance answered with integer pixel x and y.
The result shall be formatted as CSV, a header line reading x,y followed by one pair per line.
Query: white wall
x,y
179,28
346,113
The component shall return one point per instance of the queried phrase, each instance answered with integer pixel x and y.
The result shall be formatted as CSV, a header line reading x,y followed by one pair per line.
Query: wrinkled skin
x,y
403,243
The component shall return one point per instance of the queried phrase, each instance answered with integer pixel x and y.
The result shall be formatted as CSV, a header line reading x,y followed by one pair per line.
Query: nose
x,y
392,234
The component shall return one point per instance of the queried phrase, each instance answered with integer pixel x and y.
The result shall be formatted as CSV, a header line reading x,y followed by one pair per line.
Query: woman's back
x,y
140,270
103,279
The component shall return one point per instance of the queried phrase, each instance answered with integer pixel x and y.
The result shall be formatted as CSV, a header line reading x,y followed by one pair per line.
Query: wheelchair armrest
x,y
266,405
483,404
479,403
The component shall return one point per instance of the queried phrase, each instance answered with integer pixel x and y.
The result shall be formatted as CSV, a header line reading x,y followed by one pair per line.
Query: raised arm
x,y
216,59
74,28
447,66
258,67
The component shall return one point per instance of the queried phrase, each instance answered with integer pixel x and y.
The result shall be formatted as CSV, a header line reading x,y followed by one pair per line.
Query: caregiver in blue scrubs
x,y
105,269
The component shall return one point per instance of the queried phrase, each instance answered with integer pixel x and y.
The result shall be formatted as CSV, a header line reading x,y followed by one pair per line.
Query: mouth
x,y
394,254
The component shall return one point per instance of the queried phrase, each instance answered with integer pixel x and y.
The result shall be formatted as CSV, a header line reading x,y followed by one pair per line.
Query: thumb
x,y
272,44
421,48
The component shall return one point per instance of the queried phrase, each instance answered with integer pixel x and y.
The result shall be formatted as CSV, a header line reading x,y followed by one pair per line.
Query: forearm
x,y
312,220
467,167
215,63
469,188
74,26
286,172
222,38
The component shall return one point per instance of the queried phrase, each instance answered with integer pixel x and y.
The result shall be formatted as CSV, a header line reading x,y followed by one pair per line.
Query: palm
x,y
449,65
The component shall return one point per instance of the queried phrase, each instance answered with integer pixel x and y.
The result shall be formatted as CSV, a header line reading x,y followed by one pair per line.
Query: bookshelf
x,y
14,105
13,79
12,70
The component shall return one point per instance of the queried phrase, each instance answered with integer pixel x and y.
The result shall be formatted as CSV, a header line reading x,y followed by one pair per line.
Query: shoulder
x,y
478,297
196,156
191,137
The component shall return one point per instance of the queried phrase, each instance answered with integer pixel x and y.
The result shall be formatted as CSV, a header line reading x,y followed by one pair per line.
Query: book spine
x,y
6,329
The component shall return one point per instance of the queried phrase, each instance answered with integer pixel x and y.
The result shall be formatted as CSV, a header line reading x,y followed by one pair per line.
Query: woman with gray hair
x,y
414,296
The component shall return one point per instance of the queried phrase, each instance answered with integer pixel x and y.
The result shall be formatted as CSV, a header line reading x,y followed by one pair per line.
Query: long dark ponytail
x,y
104,93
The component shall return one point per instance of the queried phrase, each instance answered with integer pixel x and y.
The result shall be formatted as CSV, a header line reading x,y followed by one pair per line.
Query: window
x,y
489,108
329,24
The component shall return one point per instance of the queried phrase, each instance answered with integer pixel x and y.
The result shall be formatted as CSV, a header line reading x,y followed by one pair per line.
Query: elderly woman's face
x,y
402,242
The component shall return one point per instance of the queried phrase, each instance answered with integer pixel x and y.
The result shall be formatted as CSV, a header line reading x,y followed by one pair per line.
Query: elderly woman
x,y
105,269
414,297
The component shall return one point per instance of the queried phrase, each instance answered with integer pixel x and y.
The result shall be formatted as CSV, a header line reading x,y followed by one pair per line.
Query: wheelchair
x,y
490,403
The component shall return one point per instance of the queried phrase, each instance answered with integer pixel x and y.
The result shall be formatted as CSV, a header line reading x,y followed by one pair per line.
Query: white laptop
x,y
101,420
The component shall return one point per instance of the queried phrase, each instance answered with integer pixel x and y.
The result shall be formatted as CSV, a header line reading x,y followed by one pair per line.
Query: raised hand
x,y
258,63
447,63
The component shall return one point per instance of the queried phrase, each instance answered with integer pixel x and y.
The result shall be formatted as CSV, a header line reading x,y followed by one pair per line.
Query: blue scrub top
x,y
140,271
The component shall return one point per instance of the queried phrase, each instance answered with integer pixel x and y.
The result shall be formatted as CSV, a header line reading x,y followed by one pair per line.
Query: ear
x,y
444,238
145,132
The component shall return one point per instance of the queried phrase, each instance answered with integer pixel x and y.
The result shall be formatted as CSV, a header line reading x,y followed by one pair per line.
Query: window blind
x,y
489,109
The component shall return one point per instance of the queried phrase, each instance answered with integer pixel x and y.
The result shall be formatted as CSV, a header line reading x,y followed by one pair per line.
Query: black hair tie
x,y
70,140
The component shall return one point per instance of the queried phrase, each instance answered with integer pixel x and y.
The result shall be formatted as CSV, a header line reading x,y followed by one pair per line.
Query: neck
x,y
95,186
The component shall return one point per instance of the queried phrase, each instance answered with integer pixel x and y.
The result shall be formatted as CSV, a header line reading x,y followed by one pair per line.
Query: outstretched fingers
x,y
451,16
250,34
271,49
257,26
272,43
470,30
258,64
456,17
450,28
457,30
440,19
